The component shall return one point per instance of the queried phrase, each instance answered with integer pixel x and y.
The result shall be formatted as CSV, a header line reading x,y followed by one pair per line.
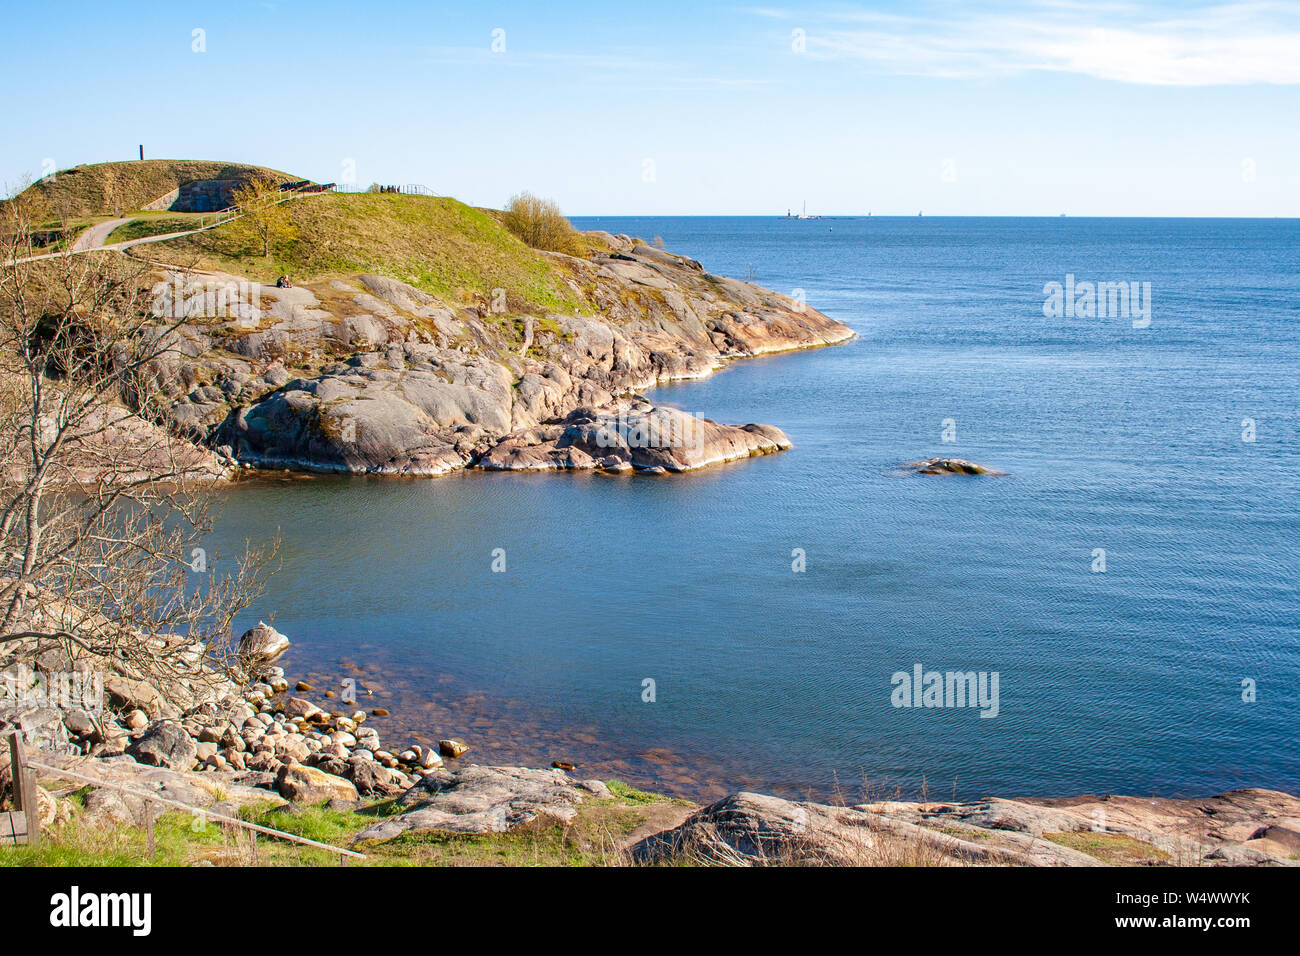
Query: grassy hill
x,y
100,188
435,243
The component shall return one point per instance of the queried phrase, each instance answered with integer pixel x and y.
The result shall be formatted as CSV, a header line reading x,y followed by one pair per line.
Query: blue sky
x,y
1000,108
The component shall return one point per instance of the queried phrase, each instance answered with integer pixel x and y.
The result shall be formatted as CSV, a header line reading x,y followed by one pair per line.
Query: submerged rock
x,y
452,748
949,466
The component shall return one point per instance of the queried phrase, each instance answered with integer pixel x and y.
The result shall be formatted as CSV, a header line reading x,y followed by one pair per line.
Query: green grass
x,y
591,839
154,225
631,795
175,844
451,250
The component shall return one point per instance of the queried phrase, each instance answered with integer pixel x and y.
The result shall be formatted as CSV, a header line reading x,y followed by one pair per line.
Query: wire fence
x,y
22,765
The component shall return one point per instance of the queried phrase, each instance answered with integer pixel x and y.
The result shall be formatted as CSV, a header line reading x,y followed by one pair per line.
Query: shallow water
x,y
1115,438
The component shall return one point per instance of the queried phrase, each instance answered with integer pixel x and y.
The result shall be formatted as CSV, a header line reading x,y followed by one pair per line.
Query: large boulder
x,y
1242,827
482,800
370,778
48,807
40,726
299,784
750,829
262,646
165,745
107,805
126,693
631,434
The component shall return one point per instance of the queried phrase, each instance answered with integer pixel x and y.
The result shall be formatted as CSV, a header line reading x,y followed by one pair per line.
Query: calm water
x,y
1128,440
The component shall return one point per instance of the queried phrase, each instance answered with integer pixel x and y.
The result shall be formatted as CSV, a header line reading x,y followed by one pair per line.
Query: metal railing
x,y
406,189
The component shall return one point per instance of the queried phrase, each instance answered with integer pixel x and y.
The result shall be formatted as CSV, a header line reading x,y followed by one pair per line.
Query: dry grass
x,y
1117,849
102,188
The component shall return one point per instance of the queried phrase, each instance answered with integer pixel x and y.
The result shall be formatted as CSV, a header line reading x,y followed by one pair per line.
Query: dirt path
x,y
94,237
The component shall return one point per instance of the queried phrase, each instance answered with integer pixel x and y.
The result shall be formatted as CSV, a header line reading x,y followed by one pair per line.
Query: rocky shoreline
x,y
234,744
371,375
261,732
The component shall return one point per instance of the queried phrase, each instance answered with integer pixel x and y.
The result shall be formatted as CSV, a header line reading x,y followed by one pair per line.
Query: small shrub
x,y
540,224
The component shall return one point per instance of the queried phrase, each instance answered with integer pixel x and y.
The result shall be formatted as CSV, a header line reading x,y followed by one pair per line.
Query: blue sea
x,y
1133,581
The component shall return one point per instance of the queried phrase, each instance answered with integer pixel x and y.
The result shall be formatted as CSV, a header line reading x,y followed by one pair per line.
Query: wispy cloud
x,y
1234,43
613,61
633,68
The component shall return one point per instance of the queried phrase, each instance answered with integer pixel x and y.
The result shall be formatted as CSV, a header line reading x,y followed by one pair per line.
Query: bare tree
x,y
262,213
102,511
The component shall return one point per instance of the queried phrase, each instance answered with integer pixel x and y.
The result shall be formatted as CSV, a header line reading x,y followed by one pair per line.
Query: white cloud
x,y
1234,43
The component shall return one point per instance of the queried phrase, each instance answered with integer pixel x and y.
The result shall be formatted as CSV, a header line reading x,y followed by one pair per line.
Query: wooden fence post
x,y
24,785
148,828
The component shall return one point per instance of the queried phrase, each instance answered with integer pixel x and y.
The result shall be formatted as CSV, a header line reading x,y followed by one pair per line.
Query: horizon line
x,y
850,216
